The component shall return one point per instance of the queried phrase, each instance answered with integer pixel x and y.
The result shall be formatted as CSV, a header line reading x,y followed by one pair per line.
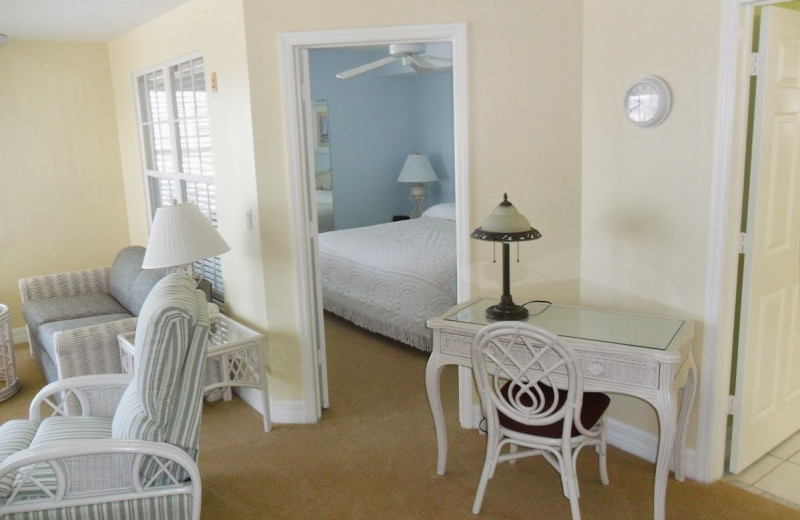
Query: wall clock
x,y
648,101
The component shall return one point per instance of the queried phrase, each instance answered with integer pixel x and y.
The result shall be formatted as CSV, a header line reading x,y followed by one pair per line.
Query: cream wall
x,y
215,28
61,201
646,191
524,87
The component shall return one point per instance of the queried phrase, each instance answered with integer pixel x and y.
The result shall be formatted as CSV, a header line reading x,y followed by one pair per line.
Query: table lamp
x,y
506,225
417,170
179,236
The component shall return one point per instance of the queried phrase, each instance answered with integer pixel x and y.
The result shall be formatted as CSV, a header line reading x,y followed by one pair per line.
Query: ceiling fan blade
x,y
420,64
437,58
355,71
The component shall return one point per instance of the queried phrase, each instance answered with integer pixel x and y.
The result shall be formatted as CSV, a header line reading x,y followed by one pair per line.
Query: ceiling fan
x,y
410,54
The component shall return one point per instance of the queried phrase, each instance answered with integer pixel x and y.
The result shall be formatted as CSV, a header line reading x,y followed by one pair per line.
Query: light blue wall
x,y
375,121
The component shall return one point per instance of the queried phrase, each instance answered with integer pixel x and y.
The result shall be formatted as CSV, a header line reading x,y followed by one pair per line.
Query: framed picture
x,y
322,136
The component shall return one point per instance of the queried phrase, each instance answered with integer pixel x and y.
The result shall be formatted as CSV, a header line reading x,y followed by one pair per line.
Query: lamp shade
x,y
180,235
505,224
417,169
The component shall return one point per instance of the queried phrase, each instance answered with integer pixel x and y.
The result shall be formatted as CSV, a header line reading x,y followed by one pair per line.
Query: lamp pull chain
x,y
494,252
517,252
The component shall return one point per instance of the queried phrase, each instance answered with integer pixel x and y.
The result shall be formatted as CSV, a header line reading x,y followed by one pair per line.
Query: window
x,y
176,145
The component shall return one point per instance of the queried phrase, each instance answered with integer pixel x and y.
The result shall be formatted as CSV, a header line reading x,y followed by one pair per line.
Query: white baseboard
x,y
19,335
631,440
283,412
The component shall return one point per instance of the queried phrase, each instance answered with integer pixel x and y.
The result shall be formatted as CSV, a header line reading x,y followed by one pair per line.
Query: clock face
x,y
647,102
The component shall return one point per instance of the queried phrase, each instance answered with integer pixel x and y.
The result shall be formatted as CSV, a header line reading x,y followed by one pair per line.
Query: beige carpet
x,y
372,456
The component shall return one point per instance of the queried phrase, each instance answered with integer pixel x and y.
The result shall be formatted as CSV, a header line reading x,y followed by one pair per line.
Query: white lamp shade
x,y
417,169
180,235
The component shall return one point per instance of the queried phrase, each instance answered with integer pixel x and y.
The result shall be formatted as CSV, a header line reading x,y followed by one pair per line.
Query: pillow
x,y
446,210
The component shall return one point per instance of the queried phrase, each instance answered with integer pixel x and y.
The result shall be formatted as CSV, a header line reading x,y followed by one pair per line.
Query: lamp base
x,y
506,312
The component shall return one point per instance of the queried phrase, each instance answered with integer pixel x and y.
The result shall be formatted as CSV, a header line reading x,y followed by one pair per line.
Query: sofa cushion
x,y
48,310
129,283
46,332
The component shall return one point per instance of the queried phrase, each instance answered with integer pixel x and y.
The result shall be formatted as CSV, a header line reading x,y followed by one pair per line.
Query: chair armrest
x,y
96,395
70,283
77,474
90,350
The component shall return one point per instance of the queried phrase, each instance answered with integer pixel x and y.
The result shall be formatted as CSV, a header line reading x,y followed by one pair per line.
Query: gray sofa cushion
x,y
129,283
47,310
45,332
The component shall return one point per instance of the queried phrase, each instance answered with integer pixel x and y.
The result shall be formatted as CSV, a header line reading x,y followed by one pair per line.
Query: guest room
x,y
366,125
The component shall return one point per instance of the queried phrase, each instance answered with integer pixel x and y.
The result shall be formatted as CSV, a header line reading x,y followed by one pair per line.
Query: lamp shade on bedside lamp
x,y
505,224
180,235
417,169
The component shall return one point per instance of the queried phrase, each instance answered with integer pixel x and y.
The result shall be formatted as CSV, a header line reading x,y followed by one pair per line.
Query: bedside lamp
x,y
506,225
181,235
417,170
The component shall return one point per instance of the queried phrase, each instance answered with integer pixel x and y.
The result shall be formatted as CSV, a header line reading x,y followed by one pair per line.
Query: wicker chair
x,y
531,390
131,451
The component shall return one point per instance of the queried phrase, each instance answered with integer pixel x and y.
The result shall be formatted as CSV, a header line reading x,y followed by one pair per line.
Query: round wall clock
x,y
648,101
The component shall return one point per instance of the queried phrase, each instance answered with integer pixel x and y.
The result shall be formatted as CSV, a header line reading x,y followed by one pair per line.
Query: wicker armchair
x,y
130,451
73,318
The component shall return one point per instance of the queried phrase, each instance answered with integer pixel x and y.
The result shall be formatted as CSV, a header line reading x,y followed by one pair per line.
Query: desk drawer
x,y
620,370
456,344
616,369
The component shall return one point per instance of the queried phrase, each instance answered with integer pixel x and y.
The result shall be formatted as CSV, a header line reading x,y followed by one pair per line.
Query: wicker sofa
x,y
73,318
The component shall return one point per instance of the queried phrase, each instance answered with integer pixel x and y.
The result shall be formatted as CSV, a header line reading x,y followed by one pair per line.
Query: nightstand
x,y
234,358
398,218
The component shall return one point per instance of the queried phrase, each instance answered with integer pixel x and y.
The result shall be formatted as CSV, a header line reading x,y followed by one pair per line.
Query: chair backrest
x,y
163,402
528,374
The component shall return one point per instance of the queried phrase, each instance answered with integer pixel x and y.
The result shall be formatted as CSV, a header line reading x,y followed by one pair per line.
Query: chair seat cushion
x,y
47,310
15,435
71,427
595,405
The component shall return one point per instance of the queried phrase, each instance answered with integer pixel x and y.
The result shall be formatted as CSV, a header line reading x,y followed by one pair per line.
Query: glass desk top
x,y
589,324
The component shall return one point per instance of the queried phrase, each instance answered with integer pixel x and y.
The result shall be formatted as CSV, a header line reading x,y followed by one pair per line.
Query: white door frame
x,y
736,32
291,47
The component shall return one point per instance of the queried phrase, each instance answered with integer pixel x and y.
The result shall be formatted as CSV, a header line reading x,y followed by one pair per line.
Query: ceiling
x,y
78,20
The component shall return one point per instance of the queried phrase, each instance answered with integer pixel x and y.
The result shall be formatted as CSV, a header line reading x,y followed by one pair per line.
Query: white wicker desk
x,y
9,382
235,349
641,356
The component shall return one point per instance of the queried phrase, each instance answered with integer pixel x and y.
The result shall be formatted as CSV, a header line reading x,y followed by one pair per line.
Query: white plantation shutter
x,y
176,145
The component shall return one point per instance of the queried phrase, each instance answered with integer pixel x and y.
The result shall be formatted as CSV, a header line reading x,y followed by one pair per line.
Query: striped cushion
x,y
163,402
158,508
15,435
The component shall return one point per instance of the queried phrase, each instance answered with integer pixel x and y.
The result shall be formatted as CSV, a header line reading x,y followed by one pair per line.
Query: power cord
x,y
547,306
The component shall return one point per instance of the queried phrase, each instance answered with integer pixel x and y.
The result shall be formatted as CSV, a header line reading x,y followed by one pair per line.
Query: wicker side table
x,y
236,350
9,383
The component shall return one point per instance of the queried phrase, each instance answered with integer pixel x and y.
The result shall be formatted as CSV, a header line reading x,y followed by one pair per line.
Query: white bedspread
x,y
390,278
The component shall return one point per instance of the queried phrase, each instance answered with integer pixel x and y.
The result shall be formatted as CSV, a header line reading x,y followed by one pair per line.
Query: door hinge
x,y
754,64
742,240
732,405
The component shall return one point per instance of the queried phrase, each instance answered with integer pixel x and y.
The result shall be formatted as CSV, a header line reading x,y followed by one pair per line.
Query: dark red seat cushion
x,y
594,406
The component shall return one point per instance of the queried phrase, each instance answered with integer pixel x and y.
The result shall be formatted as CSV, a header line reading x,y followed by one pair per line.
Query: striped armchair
x,y
131,449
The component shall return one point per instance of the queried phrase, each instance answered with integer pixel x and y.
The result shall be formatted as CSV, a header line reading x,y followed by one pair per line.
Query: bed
x,y
390,278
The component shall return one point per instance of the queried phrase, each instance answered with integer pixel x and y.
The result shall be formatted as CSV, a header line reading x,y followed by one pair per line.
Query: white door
x,y
766,406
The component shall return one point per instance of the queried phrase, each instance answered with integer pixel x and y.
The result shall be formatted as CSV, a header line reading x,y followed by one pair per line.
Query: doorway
x,y
766,396
297,103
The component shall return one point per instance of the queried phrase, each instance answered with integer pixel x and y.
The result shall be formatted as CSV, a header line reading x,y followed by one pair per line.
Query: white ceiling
x,y
78,20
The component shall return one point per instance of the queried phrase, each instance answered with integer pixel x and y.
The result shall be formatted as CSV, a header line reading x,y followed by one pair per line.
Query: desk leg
x,y
687,400
433,374
667,415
